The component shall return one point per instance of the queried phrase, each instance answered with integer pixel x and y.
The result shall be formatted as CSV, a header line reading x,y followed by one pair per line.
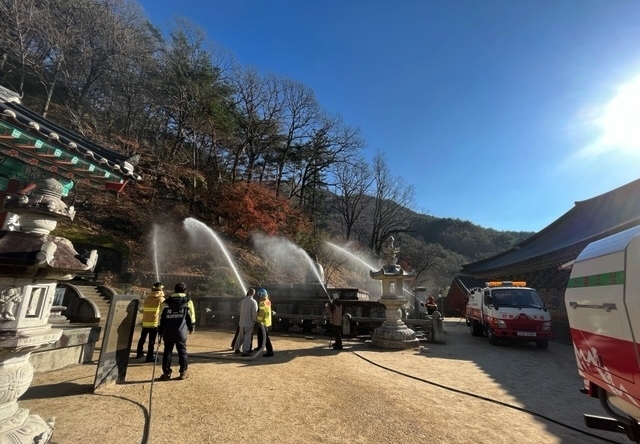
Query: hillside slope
x,y
150,232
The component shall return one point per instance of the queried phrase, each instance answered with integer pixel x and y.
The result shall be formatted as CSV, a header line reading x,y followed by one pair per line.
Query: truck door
x,y
487,304
600,328
632,299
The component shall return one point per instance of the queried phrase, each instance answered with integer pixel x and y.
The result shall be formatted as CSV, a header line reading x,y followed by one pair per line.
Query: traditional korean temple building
x,y
32,147
538,259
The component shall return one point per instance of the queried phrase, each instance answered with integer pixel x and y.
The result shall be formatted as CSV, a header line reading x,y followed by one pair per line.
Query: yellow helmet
x,y
157,286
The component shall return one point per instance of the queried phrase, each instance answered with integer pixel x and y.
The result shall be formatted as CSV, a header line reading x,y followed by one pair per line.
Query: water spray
x,y
283,250
154,240
347,252
350,254
191,223
315,271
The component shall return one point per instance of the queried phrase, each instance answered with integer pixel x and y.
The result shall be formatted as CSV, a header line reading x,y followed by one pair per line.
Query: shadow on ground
x,y
57,390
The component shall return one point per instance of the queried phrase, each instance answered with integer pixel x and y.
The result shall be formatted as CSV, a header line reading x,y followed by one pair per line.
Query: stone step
x,y
92,293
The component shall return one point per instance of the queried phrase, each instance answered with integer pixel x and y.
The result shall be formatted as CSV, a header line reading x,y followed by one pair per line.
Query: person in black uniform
x,y
175,324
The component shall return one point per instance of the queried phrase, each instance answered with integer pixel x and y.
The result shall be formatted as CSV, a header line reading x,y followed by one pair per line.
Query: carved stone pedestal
x,y
31,263
393,333
24,310
17,426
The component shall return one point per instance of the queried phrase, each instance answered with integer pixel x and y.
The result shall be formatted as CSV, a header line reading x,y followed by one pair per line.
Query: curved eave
x,y
34,143
587,221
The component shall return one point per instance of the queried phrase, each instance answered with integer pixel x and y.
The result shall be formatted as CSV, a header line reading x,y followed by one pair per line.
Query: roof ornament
x,y
133,160
390,255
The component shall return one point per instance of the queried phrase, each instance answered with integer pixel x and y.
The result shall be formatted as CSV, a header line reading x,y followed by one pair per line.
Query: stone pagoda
x,y
31,263
393,333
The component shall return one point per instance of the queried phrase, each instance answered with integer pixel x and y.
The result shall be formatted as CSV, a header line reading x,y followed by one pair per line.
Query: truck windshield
x,y
516,298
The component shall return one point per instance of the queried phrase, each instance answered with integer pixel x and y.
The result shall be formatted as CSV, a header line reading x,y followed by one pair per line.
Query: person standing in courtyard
x,y
235,336
264,319
248,317
176,323
150,315
334,313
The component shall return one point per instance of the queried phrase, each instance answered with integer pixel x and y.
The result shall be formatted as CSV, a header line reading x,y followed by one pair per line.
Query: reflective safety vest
x,y
264,312
192,309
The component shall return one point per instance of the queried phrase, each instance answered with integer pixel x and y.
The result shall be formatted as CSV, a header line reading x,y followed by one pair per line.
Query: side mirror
x,y
488,300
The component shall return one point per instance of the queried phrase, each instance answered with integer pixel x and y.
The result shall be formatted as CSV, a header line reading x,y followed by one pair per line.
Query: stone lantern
x,y
31,263
393,333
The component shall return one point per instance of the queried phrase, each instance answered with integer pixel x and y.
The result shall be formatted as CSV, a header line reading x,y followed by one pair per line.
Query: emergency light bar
x,y
506,284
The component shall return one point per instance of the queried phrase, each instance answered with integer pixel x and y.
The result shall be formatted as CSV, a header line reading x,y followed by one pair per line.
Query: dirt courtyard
x,y
464,391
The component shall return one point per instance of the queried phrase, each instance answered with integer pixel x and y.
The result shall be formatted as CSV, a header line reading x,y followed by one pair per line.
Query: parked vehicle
x,y
603,307
508,311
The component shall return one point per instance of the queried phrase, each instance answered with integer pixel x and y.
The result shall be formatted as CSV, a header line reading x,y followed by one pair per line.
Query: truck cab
x,y
509,310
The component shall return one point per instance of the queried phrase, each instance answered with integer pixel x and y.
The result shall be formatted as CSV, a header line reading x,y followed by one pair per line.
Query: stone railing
x,y
307,316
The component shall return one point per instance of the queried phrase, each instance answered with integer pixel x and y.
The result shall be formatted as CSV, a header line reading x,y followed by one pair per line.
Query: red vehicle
x,y
508,311
603,307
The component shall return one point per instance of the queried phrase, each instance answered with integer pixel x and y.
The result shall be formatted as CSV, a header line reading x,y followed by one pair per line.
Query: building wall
x,y
551,283
456,301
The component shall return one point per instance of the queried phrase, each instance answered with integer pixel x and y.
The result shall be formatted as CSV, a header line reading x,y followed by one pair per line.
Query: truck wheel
x,y
493,339
542,343
476,328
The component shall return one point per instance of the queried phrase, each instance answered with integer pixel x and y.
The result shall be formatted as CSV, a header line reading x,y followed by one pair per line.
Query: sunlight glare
x,y
620,120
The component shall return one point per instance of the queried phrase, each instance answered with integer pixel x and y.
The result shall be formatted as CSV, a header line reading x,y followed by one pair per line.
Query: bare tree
x,y
301,113
83,37
129,98
258,116
393,196
17,37
188,83
420,256
37,35
351,190
331,143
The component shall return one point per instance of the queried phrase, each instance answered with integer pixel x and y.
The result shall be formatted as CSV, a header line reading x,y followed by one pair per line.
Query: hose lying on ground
x,y
484,398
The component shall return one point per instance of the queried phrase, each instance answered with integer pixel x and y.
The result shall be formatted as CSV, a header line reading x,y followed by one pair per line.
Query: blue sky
x,y
500,112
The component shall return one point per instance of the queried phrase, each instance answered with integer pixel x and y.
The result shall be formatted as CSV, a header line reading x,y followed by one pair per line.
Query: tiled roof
x,y
33,139
563,239
467,283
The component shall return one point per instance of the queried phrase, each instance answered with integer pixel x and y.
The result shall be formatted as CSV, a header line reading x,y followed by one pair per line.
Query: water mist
x,y
286,254
363,262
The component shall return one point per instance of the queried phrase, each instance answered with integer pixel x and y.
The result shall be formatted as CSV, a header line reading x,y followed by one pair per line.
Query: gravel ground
x,y
464,391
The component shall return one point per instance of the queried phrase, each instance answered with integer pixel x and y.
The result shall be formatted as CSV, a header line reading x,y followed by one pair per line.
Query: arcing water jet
x,y
194,226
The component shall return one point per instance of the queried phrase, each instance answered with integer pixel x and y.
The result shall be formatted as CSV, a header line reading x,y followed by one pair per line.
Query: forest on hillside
x,y
241,150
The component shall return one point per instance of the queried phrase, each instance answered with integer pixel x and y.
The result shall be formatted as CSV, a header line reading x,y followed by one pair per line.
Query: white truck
x,y
510,311
603,306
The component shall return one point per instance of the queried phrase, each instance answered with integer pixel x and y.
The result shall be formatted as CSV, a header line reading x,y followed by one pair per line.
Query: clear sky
x,y
499,112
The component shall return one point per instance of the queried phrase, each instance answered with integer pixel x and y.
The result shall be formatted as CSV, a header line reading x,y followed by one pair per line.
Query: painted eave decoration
x,y
29,137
